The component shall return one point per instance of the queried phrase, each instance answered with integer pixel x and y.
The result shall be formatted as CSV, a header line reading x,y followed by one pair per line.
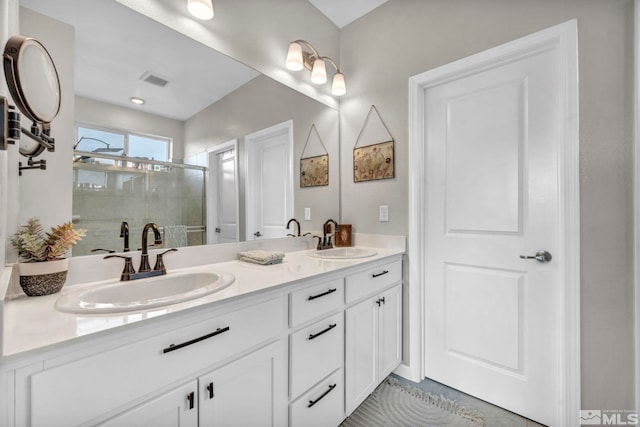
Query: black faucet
x,y
326,241
124,232
129,273
297,223
144,256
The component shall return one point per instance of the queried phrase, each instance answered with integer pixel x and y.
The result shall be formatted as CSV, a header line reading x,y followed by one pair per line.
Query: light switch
x,y
384,213
307,214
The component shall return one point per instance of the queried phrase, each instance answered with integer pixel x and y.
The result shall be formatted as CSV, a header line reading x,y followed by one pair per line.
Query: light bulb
x,y
294,57
338,87
201,9
319,72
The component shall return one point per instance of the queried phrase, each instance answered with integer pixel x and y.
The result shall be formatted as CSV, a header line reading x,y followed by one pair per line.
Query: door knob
x,y
257,234
540,256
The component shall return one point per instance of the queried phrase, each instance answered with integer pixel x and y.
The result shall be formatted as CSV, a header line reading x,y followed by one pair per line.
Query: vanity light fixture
x,y
309,58
137,101
201,9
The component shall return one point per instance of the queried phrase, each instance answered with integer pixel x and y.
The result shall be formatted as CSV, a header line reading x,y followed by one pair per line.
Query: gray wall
x,y
257,105
402,38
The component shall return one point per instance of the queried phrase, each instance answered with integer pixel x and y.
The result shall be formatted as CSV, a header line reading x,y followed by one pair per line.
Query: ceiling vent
x,y
154,79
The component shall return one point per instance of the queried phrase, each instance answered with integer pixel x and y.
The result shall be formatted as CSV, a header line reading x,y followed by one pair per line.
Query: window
x,y
122,143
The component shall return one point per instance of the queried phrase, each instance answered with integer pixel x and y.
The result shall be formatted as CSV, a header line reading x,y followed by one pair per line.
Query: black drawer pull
x,y
380,274
210,390
312,336
313,402
191,397
174,347
330,291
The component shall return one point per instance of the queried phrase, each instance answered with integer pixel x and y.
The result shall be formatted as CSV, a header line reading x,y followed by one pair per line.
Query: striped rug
x,y
394,404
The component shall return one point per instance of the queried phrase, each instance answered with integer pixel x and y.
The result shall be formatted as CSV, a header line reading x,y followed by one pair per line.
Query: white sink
x,y
344,253
142,294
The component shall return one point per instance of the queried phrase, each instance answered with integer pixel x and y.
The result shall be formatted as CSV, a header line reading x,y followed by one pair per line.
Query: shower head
x,y
106,149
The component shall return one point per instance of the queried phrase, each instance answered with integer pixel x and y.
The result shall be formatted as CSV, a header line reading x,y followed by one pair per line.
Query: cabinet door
x,y
176,408
361,328
250,391
389,330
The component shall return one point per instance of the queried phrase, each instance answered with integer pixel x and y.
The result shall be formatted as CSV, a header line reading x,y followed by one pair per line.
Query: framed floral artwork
x,y
314,171
373,162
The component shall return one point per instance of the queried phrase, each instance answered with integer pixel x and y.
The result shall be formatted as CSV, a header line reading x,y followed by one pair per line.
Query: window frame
x,y
126,133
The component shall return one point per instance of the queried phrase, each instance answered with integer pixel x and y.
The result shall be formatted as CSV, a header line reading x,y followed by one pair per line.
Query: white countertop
x,y
33,323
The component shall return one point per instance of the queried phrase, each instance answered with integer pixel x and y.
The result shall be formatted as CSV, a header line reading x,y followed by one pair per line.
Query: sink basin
x,y
343,253
143,294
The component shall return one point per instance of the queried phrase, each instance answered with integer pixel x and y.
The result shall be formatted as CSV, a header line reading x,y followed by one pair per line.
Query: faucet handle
x,y
128,266
160,263
109,251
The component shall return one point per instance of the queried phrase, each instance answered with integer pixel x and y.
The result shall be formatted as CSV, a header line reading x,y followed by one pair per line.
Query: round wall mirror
x,y
35,88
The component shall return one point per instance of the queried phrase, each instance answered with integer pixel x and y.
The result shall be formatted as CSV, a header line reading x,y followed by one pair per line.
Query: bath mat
x,y
394,404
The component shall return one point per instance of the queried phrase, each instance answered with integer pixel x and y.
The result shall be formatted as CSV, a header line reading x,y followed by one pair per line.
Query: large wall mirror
x,y
210,112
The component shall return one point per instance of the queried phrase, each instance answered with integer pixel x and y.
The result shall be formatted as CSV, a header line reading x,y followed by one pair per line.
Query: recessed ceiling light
x,y
137,101
201,9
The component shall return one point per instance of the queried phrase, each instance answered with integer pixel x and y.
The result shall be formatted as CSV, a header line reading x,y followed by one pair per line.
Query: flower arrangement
x,y
34,245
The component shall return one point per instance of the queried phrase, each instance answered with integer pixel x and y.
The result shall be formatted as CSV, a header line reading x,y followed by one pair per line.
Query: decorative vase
x,y
43,278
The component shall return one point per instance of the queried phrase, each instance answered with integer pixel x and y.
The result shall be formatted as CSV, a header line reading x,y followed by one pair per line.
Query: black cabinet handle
x,y
312,336
380,274
313,402
330,291
210,390
174,347
191,397
380,301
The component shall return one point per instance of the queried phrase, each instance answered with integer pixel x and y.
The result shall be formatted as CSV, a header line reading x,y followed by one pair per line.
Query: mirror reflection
x,y
210,152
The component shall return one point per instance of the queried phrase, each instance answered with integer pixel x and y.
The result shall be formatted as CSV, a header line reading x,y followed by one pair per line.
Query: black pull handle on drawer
x,y
210,390
191,397
313,402
330,291
174,347
380,274
312,336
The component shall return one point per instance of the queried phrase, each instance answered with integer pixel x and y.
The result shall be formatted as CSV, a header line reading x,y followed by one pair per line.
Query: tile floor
x,y
493,415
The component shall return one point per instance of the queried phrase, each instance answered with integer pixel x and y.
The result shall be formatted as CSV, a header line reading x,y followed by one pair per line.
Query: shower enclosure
x,y
109,189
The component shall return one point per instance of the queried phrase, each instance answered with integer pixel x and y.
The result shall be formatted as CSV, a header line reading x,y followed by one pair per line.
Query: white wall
x,y
402,38
47,194
8,159
128,119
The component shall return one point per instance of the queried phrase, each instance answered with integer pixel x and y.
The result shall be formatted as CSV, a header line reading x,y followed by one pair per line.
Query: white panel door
x,y
492,318
222,194
269,194
227,197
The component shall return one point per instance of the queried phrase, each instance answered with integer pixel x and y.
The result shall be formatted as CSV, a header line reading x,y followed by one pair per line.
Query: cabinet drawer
x,y
322,406
315,352
315,301
372,280
82,390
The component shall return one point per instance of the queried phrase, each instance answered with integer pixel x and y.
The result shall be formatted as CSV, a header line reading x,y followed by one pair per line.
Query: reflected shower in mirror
x,y
196,100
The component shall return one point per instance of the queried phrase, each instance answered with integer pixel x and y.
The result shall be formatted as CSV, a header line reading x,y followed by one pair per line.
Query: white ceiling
x,y
343,12
115,46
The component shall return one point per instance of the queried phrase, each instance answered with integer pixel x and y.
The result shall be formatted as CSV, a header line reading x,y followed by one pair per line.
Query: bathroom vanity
x,y
301,343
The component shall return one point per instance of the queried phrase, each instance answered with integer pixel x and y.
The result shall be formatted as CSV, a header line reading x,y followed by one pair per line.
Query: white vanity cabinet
x,y
246,392
170,409
373,333
301,354
92,388
316,348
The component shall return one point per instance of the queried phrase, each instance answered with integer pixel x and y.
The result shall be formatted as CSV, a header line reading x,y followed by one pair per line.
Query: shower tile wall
x,y
103,197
